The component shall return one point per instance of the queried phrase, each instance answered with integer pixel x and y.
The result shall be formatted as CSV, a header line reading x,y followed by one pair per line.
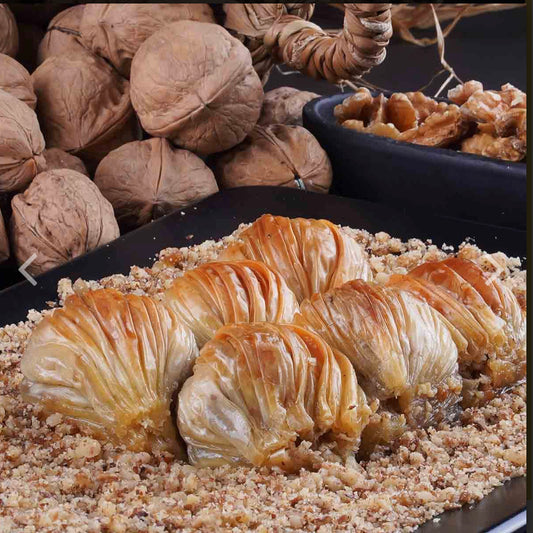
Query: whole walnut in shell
x,y
284,106
115,31
276,155
62,34
57,159
21,144
60,216
83,106
194,83
15,80
9,35
144,180
4,241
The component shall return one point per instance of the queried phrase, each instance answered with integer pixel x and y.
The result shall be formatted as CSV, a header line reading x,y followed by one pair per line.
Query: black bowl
x,y
448,182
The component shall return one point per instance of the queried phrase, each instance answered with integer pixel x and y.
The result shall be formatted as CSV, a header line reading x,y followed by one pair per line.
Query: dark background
x,y
490,48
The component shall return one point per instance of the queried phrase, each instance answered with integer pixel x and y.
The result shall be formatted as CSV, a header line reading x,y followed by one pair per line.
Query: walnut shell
x,y
60,216
4,241
115,31
15,80
9,35
284,106
21,145
144,180
62,34
58,159
276,155
194,83
84,106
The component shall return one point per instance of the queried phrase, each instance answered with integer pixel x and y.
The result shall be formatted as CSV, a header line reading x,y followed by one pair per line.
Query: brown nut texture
x,y
193,83
440,129
284,106
57,159
9,35
111,363
21,146
276,155
506,148
83,106
115,31
144,180
60,216
15,80
62,34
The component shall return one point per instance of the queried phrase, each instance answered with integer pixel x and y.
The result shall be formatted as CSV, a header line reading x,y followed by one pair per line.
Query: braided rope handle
x,y
306,47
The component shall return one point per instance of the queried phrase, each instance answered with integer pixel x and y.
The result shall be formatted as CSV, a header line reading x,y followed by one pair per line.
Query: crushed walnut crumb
x,y
53,477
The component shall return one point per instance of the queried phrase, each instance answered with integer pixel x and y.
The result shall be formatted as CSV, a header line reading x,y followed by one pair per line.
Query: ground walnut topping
x,y
53,477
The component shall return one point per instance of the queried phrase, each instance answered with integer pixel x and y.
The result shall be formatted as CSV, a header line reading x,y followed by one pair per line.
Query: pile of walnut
x,y
488,123
114,115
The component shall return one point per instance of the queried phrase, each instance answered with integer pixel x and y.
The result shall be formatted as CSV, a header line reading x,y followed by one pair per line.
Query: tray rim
x,y
282,190
271,190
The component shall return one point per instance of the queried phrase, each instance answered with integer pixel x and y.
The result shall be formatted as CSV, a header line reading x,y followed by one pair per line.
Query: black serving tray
x,y
397,173
220,214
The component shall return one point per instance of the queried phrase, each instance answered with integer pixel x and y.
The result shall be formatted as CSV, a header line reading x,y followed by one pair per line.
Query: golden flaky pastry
x,y
258,389
112,363
487,315
214,294
311,255
500,118
402,350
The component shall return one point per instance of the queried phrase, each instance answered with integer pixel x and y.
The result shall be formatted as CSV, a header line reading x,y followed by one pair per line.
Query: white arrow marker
x,y
25,265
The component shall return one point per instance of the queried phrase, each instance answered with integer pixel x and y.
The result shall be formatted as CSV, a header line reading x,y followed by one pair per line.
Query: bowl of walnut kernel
x,y
463,157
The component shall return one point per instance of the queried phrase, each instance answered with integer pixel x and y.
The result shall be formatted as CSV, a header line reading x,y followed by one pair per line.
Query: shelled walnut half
x,y
411,117
501,119
489,123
